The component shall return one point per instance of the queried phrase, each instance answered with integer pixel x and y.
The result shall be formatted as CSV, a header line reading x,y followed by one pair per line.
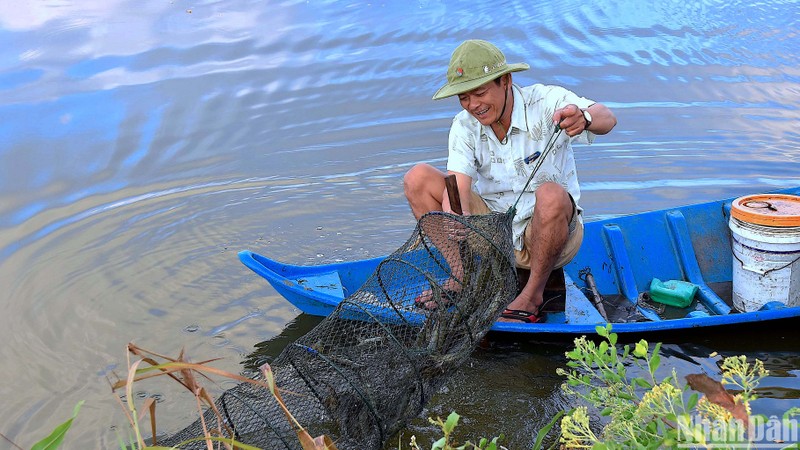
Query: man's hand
x,y
570,119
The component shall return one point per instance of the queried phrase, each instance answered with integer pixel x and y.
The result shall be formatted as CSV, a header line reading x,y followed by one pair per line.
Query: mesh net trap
x,y
369,367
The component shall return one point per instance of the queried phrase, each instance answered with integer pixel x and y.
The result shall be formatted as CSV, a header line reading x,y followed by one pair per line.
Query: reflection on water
x,y
143,145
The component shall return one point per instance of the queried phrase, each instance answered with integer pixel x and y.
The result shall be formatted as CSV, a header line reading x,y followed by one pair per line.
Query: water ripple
x,y
142,144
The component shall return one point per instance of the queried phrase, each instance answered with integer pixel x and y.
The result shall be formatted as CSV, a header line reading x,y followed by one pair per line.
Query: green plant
x,y
56,437
446,441
651,411
54,440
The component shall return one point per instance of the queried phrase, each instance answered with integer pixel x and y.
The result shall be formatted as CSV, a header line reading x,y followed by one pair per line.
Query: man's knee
x,y
552,199
418,179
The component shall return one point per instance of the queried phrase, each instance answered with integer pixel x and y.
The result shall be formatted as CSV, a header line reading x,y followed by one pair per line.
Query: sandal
x,y
523,316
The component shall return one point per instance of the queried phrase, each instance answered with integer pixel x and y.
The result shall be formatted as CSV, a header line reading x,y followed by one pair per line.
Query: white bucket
x,y
766,258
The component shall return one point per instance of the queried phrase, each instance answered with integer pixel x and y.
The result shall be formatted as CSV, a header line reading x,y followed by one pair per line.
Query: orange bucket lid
x,y
774,210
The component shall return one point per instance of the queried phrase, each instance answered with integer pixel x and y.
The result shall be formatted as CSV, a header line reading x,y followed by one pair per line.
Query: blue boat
x,y
621,256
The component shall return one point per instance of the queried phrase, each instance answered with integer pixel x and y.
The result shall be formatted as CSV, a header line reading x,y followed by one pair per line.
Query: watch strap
x,y
587,117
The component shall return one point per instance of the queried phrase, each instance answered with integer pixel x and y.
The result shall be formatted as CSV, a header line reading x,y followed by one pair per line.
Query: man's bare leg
x,y
424,187
549,233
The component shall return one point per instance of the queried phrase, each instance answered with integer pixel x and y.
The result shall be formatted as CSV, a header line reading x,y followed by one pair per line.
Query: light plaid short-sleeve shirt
x,y
498,171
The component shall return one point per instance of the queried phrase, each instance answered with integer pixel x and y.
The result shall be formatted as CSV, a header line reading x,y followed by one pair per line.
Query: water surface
x,y
143,144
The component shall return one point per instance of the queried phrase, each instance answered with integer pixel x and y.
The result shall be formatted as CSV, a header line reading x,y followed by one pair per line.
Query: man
x,y
493,148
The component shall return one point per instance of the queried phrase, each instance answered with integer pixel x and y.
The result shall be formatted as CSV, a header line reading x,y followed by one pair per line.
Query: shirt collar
x,y
518,113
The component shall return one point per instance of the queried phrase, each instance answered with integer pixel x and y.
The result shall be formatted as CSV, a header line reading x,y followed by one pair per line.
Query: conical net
x,y
374,362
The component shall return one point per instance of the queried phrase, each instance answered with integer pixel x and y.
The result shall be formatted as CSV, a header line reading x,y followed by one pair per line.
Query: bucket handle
x,y
764,272
725,214
758,204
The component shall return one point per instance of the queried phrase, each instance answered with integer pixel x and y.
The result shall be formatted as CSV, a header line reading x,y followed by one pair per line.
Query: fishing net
x,y
372,365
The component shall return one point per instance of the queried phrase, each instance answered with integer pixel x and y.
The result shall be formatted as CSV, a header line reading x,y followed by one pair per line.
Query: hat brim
x,y
451,89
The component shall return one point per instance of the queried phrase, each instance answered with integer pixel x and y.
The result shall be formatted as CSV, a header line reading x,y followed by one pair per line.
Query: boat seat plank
x,y
624,268
691,270
578,309
327,283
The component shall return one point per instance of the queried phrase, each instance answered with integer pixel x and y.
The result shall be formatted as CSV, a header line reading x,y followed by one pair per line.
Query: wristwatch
x,y
587,117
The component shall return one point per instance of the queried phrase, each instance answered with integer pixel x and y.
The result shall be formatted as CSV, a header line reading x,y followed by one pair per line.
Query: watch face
x,y
587,116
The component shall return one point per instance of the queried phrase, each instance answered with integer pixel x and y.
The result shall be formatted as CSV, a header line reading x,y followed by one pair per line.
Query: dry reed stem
x,y
184,372
306,441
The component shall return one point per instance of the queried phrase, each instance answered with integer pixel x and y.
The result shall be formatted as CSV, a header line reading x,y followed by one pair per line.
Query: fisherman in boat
x,y
494,145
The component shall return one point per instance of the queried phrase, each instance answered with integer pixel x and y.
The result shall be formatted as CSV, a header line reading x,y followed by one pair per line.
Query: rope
x,y
548,147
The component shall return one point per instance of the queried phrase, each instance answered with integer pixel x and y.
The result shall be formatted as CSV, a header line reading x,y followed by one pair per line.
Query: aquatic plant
x,y
657,412
649,411
446,442
56,437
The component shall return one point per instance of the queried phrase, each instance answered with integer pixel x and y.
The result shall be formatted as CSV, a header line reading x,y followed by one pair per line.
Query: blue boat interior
x,y
689,244
624,254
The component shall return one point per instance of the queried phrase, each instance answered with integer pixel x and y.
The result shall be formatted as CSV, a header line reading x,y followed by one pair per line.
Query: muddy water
x,y
142,146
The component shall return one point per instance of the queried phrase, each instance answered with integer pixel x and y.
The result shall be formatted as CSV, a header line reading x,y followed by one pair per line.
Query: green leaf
x,y
546,430
656,348
121,443
625,396
601,330
612,338
603,349
692,401
641,349
610,376
238,445
54,440
439,444
452,421
599,446
792,412
606,412
655,361
641,382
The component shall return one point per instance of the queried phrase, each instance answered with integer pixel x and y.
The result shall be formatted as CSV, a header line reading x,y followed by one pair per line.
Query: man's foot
x,y
522,316
451,292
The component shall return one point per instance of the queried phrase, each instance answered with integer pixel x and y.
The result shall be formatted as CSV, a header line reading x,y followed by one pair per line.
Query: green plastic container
x,y
673,292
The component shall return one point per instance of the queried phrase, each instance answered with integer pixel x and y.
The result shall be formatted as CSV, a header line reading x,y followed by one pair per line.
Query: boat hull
x,y
624,254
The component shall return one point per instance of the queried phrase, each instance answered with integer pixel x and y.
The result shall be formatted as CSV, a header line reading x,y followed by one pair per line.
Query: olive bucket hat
x,y
474,63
